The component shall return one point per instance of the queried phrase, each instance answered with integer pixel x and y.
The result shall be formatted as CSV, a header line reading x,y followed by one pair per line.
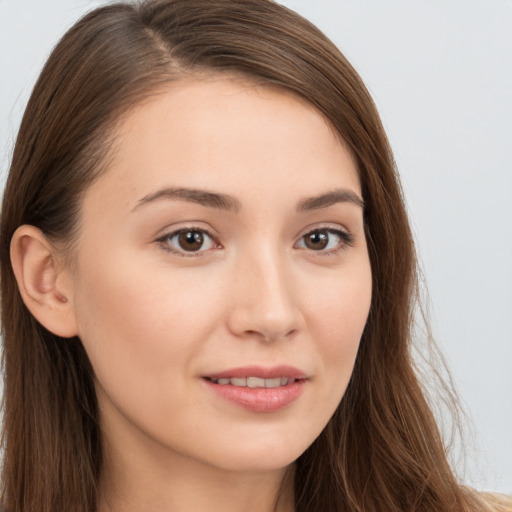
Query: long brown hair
x,y
381,450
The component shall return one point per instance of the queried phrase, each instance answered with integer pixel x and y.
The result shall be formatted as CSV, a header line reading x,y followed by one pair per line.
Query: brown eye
x,y
186,241
190,240
317,240
327,240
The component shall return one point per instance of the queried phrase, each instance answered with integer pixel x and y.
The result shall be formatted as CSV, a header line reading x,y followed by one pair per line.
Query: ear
x,y
44,284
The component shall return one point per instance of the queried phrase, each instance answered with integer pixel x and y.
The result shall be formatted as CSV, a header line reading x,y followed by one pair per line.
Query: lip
x,y
259,399
260,371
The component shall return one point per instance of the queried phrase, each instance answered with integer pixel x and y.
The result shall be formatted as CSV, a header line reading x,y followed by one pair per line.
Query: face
x,y
222,281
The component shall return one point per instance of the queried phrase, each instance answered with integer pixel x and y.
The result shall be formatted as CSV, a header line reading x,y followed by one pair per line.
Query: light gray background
x,y
441,74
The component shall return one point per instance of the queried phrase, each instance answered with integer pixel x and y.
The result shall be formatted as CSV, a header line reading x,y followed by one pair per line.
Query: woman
x,y
208,300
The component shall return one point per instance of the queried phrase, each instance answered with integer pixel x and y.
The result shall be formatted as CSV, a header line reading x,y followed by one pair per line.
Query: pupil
x,y
317,240
191,240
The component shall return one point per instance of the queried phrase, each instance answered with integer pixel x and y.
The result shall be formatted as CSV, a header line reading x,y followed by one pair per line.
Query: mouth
x,y
253,382
259,389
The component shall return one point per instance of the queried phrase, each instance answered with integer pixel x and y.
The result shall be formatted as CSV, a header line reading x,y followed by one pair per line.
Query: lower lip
x,y
259,399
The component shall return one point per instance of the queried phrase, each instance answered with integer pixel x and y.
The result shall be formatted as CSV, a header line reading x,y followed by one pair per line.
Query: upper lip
x,y
260,371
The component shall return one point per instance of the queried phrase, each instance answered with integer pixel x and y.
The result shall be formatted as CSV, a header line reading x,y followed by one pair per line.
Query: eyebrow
x,y
328,199
192,195
231,204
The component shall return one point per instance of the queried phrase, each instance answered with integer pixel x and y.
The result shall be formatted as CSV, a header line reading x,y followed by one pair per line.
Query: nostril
x,y
269,337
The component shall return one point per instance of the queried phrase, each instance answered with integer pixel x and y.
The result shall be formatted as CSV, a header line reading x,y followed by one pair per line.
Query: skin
x,y
155,319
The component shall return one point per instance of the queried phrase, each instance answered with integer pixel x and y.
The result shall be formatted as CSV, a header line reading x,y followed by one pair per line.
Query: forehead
x,y
230,134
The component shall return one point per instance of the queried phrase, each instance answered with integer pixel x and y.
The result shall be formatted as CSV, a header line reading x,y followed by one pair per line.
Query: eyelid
x,y
347,239
346,236
166,236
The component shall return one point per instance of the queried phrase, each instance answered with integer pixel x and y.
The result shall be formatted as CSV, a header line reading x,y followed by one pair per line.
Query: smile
x,y
254,382
259,389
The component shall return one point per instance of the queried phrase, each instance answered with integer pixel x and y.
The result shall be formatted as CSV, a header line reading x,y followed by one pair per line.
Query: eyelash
x,y
346,240
165,239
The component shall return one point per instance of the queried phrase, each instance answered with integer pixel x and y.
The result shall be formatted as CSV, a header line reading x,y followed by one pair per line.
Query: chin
x,y
260,454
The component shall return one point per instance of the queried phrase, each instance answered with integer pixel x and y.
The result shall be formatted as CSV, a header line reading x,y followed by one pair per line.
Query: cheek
x,y
141,326
340,305
338,316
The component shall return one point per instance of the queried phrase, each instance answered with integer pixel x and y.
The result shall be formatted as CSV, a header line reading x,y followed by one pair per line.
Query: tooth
x,y
242,381
255,382
284,381
273,383
222,382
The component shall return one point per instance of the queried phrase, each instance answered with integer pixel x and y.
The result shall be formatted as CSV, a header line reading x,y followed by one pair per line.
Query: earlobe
x,y
41,282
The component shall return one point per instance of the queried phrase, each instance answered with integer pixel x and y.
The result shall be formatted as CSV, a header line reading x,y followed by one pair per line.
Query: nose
x,y
264,299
